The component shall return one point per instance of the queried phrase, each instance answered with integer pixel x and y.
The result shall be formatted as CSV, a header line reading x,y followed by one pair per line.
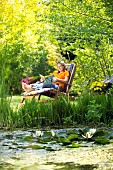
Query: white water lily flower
x,y
88,135
39,133
52,133
92,131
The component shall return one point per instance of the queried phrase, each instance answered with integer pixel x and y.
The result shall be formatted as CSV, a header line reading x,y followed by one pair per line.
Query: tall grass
x,y
51,113
87,109
5,109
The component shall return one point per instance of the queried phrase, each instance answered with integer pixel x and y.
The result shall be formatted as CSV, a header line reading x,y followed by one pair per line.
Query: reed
x,y
5,108
41,114
87,109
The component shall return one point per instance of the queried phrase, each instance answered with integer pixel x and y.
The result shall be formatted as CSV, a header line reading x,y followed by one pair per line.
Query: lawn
x,y
16,99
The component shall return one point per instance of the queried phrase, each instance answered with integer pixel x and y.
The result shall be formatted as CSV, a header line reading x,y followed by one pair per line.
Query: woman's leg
x,y
26,87
55,86
32,87
37,85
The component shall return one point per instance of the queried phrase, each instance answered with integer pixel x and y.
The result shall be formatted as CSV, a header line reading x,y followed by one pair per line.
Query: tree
x,y
35,30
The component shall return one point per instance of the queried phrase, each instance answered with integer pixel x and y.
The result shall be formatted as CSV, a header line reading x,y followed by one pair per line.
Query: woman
x,y
60,78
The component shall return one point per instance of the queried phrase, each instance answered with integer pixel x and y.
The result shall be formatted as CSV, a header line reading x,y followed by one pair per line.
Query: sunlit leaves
x,y
50,27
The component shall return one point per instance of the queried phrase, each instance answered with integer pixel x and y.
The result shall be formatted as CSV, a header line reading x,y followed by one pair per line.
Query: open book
x,y
42,77
47,80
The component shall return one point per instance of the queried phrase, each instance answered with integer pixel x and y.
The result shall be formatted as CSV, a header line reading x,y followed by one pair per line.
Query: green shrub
x,y
93,107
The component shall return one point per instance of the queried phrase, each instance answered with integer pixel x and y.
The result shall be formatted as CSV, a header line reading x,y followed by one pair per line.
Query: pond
x,y
53,149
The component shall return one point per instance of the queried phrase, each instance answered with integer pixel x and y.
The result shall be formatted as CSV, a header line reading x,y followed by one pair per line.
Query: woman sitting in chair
x,y
59,79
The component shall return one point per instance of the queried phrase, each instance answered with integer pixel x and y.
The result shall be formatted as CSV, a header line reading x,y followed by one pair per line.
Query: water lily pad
x,y
81,138
74,145
45,140
65,141
28,138
32,147
23,147
50,149
73,137
102,140
37,147
14,143
47,134
56,139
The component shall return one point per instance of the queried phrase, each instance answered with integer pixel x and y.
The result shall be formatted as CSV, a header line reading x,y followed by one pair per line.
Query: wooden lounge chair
x,y
50,92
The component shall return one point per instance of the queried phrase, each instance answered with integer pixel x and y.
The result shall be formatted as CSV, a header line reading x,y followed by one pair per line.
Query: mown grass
x,y
15,100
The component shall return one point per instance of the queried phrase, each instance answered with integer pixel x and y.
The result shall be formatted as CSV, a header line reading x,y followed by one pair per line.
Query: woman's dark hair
x,y
63,64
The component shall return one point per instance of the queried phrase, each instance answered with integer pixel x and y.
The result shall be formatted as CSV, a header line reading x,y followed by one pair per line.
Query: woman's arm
x,y
55,79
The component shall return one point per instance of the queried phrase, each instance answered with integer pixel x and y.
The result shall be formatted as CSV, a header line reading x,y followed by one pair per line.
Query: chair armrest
x,y
68,84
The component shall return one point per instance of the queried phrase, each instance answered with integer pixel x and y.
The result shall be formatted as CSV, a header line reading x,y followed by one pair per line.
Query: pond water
x,y
62,149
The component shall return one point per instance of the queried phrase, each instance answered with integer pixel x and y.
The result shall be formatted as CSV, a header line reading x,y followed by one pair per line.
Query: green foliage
x,y
68,120
32,41
32,36
93,107
93,113
85,29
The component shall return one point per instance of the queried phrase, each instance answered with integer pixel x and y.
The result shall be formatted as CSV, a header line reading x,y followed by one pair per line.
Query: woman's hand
x,y
42,79
54,79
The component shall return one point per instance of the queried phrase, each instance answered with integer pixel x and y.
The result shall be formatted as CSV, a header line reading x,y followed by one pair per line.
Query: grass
x,y
35,114
16,99
86,109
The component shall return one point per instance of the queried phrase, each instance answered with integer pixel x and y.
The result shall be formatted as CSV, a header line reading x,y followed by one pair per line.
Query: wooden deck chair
x,y
50,92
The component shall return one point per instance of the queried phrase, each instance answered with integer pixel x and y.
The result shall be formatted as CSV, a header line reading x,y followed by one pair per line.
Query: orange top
x,y
62,76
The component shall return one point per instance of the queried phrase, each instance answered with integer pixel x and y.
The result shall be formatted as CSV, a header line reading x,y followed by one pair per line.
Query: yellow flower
x,y
99,84
104,84
97,88
93,84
